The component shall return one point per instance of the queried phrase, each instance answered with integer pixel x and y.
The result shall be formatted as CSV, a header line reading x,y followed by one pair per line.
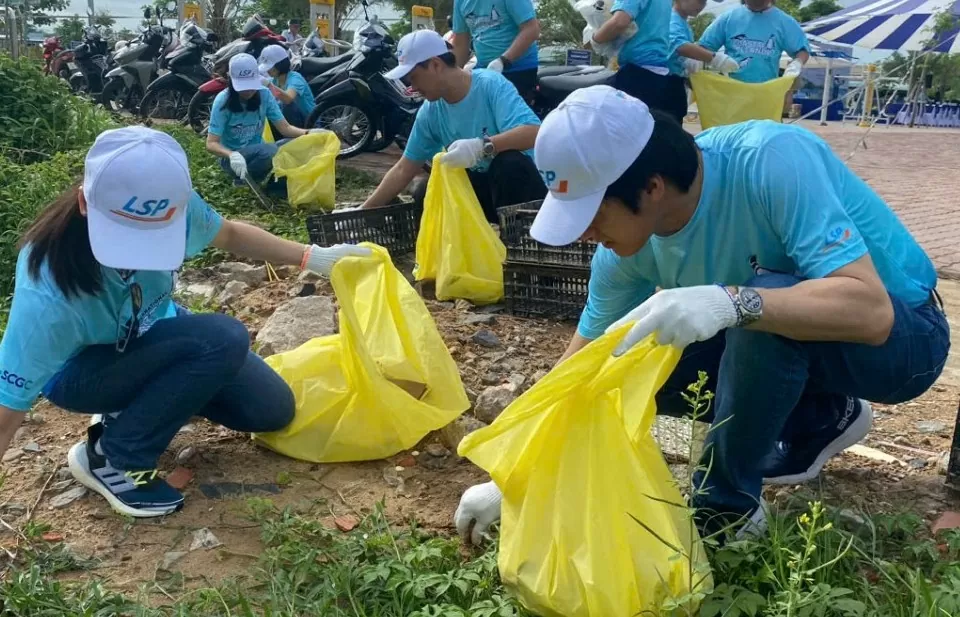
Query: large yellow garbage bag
x,y
377,387
456,247
722,100
309,164
575,460
267,133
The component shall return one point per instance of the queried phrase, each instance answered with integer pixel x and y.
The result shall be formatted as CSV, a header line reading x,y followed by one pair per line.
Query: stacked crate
x,y
541,280
394,227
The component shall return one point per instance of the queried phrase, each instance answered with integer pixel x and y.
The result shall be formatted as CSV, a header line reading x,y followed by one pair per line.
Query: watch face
x,y
751,300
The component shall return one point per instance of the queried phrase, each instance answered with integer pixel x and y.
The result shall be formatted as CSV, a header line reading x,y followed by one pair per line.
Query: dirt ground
x,y
229,467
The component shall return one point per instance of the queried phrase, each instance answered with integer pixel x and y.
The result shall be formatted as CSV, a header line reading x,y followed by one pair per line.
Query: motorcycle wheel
x,y
64,74
115,95
169,103
198,112
78,83
352,122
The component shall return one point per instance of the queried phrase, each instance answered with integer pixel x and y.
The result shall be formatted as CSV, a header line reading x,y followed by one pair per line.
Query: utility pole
x,y
90,12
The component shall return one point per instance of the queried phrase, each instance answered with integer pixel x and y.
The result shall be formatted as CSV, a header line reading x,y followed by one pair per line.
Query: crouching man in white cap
x,y
477,116
784,277
94,327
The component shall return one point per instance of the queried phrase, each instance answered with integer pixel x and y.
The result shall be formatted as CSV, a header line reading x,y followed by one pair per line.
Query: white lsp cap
x,y
584,146
415,48
136,184
270,56
244,73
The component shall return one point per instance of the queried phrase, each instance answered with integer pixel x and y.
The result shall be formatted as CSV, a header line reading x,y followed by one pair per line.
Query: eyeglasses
x,y
127,331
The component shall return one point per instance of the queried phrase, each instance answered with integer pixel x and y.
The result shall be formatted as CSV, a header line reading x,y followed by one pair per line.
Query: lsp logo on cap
x,y
245,74
550,179
147,211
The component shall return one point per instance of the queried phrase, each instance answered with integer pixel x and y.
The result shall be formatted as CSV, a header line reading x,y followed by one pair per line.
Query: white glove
x,y
479,506
316,131
265,81
692,65
679,317
321,259
793,69
239,165
464,153
348,209
724,64
496,66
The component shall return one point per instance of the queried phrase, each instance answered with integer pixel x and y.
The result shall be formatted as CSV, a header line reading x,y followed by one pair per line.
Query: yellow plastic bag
x,y
380,385
722,100
575,459
309,164
267,133
456,246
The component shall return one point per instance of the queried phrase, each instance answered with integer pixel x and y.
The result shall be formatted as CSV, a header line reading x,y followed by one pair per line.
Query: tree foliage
x,y
700,23
817,8
560,23
70,29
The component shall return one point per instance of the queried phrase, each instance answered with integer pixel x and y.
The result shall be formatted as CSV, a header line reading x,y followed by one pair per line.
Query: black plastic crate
x,y
538,290
515,222
953,464
393,227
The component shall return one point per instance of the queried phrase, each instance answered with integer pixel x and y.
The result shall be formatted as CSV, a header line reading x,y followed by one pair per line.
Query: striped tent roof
x,y
899,25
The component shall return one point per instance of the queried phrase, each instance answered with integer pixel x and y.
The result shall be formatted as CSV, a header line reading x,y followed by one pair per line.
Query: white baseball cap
x,y
244,73
584,146
136,184
270,56
415,48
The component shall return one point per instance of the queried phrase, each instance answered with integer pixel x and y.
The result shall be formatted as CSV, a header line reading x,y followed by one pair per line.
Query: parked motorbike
x,y
137,66
187,68
51,47
359,103
91,60
554,84
253,38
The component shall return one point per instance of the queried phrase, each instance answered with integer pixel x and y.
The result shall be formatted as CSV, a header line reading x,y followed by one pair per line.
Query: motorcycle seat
x,y
315,66
553,71
560,86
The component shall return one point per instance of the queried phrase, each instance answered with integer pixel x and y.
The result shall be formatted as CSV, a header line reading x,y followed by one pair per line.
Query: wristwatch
x,y
748,303
489,150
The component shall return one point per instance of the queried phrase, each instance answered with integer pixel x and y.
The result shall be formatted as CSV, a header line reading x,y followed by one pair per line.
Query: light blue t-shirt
x,y
493,25
237,130
492,106
304,100
680,34
776,196
650,46
755,41
46,328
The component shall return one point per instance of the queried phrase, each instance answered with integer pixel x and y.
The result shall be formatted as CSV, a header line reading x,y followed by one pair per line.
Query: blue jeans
x,y
185,366
259,158
769,388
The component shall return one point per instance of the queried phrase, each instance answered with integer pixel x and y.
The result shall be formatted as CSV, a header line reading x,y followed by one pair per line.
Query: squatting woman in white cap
x,y
94,328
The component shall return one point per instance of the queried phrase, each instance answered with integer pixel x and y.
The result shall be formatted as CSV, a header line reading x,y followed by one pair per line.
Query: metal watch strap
x,y
745,315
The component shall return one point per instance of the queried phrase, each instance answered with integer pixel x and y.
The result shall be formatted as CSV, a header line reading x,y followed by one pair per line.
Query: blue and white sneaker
x,y
140,493
796,463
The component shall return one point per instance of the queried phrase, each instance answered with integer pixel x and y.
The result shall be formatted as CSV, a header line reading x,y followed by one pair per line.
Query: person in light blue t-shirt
x,y
504,35
782,275
477,117
237,119
755,35
95,329
289,87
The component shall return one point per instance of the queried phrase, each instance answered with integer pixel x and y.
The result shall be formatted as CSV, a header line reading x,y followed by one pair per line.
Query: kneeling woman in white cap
x,y
94,328
237,118
289,87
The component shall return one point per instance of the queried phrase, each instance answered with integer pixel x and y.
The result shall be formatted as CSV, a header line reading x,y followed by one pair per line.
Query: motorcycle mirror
x,y
171,6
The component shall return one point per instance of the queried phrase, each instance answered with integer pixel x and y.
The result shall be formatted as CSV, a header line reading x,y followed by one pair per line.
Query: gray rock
x,y
32,447
308,277
493,400
14,509
243,273
34,418
171,558
295,323
486,338
852,517
518,380
21,433
452,434
67,497
943,462
539,375
64,474
11,455
232,291
204,538
436,450
60,486
490,379
916,463
187,428
391,477
931,426
185,455
203,290
479,318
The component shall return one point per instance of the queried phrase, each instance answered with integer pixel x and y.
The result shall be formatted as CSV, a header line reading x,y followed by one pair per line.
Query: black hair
x,y
448,58
237,105
283,67
670,153
60,238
